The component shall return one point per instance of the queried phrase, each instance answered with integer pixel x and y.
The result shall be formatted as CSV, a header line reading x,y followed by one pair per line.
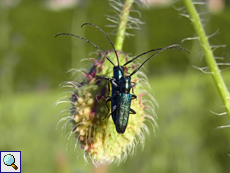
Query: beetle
x,y
121,83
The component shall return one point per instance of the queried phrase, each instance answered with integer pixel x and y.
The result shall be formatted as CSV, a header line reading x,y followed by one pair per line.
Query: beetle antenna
x,y
140,55
106,37
108,40
173,46
88,42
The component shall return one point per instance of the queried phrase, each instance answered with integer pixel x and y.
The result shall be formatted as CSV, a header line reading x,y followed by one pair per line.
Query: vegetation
x,y
33,63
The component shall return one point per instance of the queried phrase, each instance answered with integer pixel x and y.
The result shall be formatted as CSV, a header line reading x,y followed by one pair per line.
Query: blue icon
x,y
9,160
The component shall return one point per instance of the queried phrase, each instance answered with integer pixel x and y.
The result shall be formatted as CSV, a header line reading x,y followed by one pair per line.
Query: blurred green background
x,y
33,63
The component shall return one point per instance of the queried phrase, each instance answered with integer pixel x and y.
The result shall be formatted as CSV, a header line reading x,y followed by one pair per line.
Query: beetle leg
x,y
108,89
113,82
114,108
132,111
108,108
134,97
107,102
104,77
133,85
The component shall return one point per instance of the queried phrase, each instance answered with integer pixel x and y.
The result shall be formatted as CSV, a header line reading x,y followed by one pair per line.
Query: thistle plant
x,y
94,129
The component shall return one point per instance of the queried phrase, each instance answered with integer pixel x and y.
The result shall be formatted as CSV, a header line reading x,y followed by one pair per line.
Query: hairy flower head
x,y
95,131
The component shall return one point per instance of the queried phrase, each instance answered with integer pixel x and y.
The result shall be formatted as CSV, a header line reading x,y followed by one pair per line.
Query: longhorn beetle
x,y
121,83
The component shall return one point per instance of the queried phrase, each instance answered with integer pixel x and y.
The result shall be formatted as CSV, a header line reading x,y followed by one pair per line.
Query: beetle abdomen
x,y
122,112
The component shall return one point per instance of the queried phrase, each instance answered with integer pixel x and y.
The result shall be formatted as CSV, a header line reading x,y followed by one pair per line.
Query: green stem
x,y
210,60
122,24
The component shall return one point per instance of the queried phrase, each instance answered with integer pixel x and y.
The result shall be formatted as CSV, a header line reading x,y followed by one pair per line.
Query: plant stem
x,y
122,24
209,58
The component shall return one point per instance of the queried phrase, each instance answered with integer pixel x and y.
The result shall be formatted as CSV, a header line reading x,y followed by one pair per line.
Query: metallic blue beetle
x,y
121,84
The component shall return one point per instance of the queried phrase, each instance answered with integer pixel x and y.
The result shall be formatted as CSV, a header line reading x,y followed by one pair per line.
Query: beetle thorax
x,y
117,72
125,84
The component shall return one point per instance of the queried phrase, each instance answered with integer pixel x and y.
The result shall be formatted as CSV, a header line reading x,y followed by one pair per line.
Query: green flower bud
x,y
95,132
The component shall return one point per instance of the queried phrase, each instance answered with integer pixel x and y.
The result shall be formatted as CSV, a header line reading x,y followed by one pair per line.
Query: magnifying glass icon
x,y
9,160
